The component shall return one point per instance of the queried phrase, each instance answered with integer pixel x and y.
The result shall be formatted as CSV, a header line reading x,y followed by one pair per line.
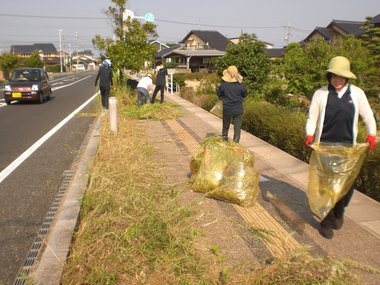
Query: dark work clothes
x,y
160,84
105,75
156,89
339,118
233,95
161,76
238,121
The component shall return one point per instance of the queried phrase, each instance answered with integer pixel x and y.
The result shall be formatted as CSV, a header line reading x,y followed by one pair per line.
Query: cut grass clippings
x,y
132,230
165,111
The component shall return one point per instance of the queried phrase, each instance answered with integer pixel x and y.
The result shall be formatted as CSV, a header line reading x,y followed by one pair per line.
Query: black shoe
x,y
326,232
338,223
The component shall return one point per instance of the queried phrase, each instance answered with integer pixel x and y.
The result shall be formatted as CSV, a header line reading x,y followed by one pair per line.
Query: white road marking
x,y
11,167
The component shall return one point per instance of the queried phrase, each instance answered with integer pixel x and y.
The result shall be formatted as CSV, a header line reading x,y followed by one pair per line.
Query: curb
x,y
49,267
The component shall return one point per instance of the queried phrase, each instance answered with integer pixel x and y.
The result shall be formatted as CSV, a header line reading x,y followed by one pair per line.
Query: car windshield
x,y
26,75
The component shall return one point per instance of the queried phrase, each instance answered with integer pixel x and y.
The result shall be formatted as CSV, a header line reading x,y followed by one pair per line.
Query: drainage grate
x,y
22,275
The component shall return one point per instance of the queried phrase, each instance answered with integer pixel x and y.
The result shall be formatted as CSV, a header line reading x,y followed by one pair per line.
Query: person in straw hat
x,y
333,117
232,91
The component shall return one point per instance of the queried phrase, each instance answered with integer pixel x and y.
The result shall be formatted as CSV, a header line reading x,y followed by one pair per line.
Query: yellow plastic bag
x,y
333,169
216,157
239,185
217,110
226,169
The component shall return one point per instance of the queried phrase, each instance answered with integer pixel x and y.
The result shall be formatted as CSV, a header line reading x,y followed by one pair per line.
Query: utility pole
x,y
70,58
287,36
76,37
60,48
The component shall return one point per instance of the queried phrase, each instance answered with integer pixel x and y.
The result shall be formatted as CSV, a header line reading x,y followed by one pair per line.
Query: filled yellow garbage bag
x,y
198,154
333,169
241,153
217,110
239,185
210,161
216,157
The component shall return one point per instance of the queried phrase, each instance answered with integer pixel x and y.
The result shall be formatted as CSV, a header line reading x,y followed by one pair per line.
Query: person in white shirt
x,y
144,86
334,118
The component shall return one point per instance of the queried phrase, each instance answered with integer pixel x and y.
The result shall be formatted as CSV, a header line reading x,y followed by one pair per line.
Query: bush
x,y
179,79
53,68
277,126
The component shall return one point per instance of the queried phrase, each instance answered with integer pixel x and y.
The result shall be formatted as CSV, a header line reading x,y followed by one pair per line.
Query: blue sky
x,y
39,21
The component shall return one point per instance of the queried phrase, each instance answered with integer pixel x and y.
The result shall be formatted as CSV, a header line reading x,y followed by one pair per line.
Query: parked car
x,y
28,84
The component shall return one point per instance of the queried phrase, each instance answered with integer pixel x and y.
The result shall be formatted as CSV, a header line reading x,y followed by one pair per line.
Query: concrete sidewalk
x,y
284,186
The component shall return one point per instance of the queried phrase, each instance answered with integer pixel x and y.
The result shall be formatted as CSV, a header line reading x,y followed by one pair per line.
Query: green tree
x,y
34,60
304,67
7,63
371,38
363,62
130,49
252,61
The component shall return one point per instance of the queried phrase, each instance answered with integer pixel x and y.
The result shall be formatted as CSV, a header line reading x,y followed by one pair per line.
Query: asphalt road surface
x,y
28,189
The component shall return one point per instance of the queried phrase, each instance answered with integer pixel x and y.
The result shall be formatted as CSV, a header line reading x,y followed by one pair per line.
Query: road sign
x,y
149,17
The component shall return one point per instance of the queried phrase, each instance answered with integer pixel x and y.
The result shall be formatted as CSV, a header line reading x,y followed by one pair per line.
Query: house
x,y
196,49
335,29
47,51
82,61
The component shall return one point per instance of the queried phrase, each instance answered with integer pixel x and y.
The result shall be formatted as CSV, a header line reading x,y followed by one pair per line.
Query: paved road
x,y
27,193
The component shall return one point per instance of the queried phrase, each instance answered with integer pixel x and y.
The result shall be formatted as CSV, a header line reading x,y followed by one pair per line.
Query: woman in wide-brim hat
x,y
232,91
333,117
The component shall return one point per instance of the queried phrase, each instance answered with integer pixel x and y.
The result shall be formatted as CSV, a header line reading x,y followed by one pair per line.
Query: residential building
x,y
48,52
337,28
196,50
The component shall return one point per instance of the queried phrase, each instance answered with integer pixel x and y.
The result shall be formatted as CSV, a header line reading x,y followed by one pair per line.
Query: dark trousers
x,y
158,88
237,120
104,92
338,210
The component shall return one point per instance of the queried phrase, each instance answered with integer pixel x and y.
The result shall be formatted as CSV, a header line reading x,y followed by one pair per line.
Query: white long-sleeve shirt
x,y
315,120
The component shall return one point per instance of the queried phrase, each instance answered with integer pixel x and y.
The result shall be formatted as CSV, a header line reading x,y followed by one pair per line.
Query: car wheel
x,y
41,99
49,95
8,102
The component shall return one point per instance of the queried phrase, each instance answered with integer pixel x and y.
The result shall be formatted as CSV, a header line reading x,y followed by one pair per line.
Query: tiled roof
x,y
45,48
376,19
350,27
214,39
324,32
165,52
276,52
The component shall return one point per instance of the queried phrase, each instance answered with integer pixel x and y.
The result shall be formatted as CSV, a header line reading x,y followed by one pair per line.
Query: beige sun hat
x,y
231,74
340,65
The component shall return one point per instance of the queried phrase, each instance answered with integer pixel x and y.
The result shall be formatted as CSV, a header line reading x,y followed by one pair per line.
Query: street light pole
x,y
60,48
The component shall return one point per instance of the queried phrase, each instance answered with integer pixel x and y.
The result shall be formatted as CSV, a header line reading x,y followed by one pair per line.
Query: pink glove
x,y
372,142
309,140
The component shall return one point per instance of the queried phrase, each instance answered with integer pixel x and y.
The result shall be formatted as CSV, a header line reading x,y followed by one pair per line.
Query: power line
x,y
55,17
157,19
